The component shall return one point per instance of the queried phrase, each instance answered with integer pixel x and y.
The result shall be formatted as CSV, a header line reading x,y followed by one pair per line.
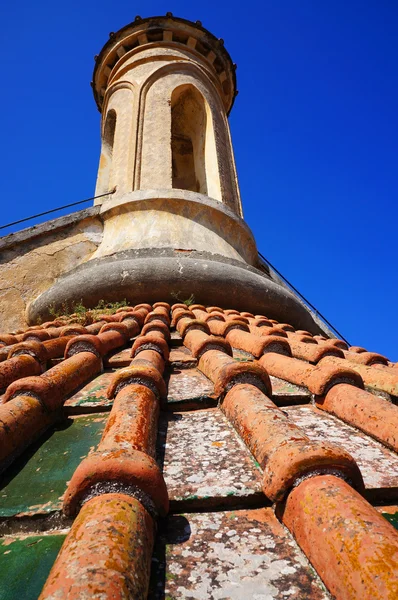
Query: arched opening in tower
x,y
188,139
105,170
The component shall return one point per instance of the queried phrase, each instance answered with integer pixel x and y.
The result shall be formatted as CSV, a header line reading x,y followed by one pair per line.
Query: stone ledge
x,y
48,227
139,278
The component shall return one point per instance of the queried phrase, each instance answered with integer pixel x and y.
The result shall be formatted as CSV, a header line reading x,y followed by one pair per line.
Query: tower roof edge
x,y
166,30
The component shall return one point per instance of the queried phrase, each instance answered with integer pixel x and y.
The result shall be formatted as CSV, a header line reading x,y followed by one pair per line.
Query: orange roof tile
x,y
229,368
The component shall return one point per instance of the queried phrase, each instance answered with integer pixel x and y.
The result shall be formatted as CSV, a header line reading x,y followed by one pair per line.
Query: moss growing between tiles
x,y
392,518
36,481
81,314
25,565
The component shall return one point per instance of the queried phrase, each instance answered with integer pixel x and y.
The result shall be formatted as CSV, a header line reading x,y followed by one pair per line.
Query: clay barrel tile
x,y
352,547
72,330
164,305
113,530
133,317
261,425
225,372
95,328
187,324
119,327
373,415
317,379
178,305
323,377
84,343
148,376
133,327
199,313
39,335
257,346
7,340
56,348
366,358
304,332
149,358
143,306
22,420
259,322
156,327
200,307
304,339
112,338
222,328
376,378
125,309
200,342
291,462
290,369
16,368
357,349
130,468
214,309
53,387
158,315
32,348
213,316
180,313
152,341
286,327
334,342
132,423
313,353
281,448
265,330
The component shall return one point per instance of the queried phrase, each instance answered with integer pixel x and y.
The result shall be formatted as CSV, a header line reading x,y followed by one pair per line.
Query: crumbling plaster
x,y
32,260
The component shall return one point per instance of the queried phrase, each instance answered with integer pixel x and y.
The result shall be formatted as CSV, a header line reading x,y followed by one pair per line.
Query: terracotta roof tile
x,y
245,363
373,415
378,379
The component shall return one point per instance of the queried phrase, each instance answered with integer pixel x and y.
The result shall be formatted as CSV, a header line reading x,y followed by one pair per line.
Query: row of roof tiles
x,y
122,477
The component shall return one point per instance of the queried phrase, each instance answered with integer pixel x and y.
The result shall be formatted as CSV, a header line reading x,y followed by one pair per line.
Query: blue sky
x,y
314,128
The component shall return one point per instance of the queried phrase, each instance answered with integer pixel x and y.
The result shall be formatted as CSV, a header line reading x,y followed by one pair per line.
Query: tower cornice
x,y
168,31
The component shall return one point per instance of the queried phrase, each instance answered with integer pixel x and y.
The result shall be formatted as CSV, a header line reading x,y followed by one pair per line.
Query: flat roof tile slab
x,y
175,339
119,359
230,555
91,396
182,358
241,355
285,391
37,480
25,563
189,386
205,463
378,464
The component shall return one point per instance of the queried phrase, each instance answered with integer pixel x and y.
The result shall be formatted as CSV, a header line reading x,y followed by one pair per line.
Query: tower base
x,y
148,275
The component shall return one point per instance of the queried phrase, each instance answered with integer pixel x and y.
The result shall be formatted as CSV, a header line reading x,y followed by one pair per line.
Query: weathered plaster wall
x,y
33,259
177,219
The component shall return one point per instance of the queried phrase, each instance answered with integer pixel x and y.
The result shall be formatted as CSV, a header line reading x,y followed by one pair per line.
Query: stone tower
x,y
173,226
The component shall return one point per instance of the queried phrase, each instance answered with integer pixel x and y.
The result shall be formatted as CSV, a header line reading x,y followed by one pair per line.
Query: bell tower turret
x,y
172,222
